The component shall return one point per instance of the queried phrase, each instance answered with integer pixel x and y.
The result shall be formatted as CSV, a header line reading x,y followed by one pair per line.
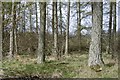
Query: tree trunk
x,y
41,42
55,30
79,25
18,25
110,28
95,55
36,18
15,38
30,11
3,25
102,31
114,30
60,17
12,45
3,18
67,31
53,27
53,19
15,29
118,45
24,20
1,71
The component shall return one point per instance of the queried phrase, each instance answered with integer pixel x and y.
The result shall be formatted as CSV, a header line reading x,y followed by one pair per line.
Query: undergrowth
x,y
72,66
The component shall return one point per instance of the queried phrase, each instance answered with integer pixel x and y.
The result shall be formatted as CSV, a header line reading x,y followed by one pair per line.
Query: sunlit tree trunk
x,y
41,42
95,55
67,30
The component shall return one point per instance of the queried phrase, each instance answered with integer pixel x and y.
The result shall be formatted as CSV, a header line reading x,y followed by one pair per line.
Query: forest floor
x,y
72,66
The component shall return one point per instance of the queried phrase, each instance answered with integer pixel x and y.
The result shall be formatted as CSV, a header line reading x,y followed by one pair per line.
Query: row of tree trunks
x,y
95,53
112,32
13,34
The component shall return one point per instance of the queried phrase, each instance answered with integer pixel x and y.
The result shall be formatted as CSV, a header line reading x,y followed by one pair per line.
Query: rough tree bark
x,y
67,30
95,55
41,42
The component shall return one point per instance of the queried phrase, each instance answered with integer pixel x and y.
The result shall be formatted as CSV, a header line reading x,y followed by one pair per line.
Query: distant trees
x,y
41,41
95,55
